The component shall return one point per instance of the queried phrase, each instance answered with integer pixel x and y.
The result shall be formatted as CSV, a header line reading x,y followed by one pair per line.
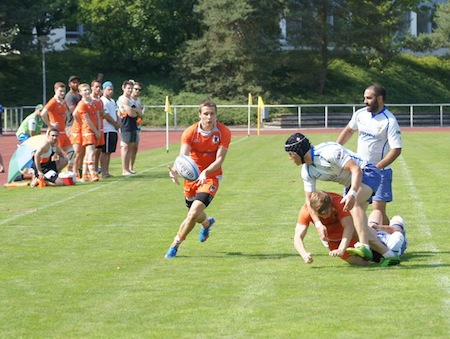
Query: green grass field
x,y
87,261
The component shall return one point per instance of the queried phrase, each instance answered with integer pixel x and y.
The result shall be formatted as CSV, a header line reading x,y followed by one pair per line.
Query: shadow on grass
x,y
423,259
409,257
416,260
261,255
144,176
423,254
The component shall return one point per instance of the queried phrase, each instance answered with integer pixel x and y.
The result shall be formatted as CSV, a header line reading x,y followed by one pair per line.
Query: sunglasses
x,y
137,89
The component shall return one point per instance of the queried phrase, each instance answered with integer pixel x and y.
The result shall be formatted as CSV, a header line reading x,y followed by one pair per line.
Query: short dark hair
x,y
53,129
379,90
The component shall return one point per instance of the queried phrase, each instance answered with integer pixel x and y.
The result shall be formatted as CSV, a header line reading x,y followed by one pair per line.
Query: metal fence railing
x,y
13,116
283,116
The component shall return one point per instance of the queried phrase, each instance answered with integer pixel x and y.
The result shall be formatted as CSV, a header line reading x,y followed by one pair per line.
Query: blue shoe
x,y
204,232
172,252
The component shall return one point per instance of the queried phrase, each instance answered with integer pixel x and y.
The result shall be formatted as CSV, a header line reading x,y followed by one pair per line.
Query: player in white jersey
x,y
379,141
393,235
111,125
330,161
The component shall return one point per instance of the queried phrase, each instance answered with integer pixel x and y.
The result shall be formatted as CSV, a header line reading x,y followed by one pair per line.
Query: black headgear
x,y
299,144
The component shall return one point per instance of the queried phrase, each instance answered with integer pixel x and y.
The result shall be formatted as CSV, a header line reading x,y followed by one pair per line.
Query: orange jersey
x,y
75,132
333,223
98,103
204,145
87,110
57,111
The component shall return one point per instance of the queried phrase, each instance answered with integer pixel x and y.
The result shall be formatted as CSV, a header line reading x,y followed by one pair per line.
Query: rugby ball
x,y
187,168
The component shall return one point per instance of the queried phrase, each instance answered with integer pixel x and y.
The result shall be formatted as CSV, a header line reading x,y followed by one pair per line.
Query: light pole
x,y
43,39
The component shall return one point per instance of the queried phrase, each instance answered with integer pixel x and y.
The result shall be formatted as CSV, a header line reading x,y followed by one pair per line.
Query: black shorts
x,y
49,169
205,198
129,136
110,142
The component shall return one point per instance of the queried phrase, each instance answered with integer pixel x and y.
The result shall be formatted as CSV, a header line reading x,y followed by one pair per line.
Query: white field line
x,y
84,192
442,279
56,203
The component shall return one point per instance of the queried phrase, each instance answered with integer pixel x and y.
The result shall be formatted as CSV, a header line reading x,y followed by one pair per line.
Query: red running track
x,y
151,139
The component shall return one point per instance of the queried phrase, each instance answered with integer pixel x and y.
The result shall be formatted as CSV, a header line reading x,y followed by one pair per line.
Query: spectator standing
x,y
77,144
96,88
137,89
54,115
72,98
111,126
88,112
128,126
31,125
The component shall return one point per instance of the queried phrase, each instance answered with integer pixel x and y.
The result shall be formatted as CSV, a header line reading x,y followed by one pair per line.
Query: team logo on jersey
x,y
212,188
216,139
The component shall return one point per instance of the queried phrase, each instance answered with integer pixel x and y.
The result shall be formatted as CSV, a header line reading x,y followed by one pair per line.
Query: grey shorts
x,y
128,136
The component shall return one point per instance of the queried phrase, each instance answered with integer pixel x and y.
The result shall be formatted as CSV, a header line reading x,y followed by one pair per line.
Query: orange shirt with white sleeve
x,y
204,144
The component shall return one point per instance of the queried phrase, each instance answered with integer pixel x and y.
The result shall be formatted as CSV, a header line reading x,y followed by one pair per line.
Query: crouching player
x,y
340,228
49,160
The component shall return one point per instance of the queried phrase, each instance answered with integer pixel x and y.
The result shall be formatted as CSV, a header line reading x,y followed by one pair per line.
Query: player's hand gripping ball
x,y
187,168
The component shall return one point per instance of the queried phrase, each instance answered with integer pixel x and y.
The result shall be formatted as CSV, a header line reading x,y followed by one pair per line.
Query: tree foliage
x,y
137,34
7,36
237,50
376,26
368,28
226,48
439,38
441,35
28,19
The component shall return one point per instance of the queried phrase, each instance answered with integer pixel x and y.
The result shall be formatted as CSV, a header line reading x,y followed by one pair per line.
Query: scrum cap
x,y
298,143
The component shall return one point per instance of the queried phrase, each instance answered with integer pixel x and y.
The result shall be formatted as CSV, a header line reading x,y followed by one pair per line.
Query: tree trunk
x,y
323,46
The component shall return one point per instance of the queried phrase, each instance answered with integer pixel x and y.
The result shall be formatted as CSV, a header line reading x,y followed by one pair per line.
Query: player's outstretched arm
x,y
300,232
